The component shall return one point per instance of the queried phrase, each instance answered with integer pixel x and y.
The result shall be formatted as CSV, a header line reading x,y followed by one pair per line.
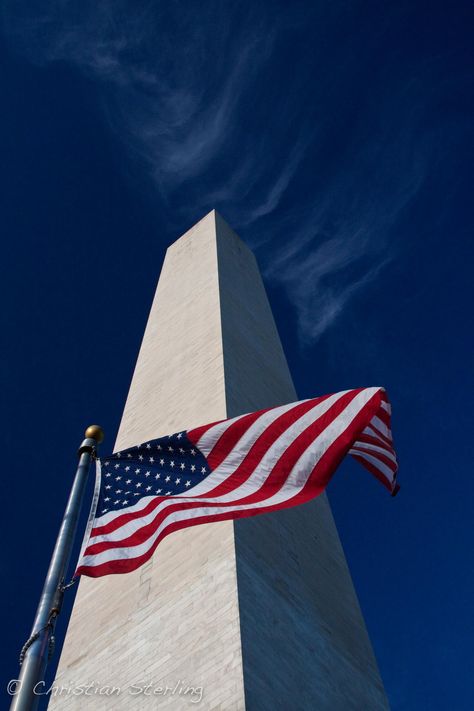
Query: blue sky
x,y
336,138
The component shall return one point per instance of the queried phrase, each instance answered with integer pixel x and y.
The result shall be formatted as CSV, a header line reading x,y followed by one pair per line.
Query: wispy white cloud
x,y
345,241
178,83
315,283
170,86
276,189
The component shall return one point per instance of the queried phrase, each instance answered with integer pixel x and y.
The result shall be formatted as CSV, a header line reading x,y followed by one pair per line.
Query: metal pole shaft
x,y
30,684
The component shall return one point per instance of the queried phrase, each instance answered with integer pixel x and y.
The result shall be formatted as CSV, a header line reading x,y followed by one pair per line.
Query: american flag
x,y
251,464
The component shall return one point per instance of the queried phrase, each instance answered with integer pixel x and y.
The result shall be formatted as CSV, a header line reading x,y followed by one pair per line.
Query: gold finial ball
x,y
95,432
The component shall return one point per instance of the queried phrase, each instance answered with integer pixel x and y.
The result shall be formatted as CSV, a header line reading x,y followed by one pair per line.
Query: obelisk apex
x,y
258,614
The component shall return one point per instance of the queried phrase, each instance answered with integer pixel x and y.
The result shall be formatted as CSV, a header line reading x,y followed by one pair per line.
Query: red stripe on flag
x,y
376,455
229,439
370,439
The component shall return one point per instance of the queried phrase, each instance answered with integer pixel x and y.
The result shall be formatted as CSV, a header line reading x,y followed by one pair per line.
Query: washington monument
x,y
259,614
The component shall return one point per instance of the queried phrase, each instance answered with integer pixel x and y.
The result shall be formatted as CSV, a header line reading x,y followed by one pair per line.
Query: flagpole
x,y
37,650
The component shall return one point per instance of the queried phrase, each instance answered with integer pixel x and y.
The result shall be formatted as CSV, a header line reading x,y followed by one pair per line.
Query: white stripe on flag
x,y
210,438
374,448
383,469
377,423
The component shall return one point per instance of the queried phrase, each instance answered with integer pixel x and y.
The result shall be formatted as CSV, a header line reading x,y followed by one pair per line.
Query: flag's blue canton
x,y
160,467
